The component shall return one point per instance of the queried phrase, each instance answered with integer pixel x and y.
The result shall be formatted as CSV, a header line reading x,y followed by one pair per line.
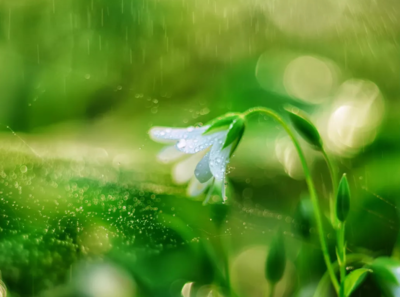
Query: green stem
x,y
335,183
227,275
272,290
225,263
341,254
311,188
332,172
339,226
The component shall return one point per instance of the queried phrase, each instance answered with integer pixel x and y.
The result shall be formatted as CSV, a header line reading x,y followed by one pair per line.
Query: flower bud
x,y
276,260
343,199
305,127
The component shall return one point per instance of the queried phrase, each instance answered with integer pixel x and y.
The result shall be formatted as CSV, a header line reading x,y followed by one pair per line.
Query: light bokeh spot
x,y
355,116
310,79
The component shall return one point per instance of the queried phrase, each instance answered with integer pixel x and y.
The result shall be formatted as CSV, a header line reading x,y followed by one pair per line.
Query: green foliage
x,y
343,199
236,130
83,74
276,260
235,125
305,127
354,280
386,272
221,122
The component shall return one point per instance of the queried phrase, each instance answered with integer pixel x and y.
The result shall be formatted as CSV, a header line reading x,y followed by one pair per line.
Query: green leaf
x,y
276,260
236,130
305,127
221,122
237,141
343,199
354,280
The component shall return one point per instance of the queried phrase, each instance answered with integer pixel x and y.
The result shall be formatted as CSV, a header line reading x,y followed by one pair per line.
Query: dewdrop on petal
x,y
210,147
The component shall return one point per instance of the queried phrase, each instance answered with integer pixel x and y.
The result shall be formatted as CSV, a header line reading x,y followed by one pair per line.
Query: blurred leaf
x,y
386,268
353,280
276,259
386,272
305,127
178,225
219,213
304,217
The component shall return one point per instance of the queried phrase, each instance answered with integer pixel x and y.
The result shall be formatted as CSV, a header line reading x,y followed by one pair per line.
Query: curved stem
x,y
332,172
335,183
311,188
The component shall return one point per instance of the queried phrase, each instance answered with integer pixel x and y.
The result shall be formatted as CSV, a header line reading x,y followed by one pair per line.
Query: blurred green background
x,y
85,207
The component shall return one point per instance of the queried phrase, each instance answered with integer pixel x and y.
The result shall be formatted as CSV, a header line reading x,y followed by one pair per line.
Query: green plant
x,y
216,143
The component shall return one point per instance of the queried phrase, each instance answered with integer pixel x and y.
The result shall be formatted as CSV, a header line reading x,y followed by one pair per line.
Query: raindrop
x,y
23,169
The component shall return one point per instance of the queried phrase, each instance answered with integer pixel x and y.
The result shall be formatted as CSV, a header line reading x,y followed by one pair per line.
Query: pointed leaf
x,y
237,141
305,127
221,122
236,130
354,280
343,199
276,260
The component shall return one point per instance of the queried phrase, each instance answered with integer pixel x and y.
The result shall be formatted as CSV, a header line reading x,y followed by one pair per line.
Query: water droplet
x,y
23,169
181,144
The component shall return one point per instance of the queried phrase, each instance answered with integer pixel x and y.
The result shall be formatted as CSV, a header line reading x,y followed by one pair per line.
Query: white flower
x,y
209,147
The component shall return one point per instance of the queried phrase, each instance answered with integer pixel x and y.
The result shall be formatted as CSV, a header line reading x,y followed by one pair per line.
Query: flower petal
x,y
196,188
184,170
210,192
167,134
202,171
169,154
199,143
223,188
219,158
